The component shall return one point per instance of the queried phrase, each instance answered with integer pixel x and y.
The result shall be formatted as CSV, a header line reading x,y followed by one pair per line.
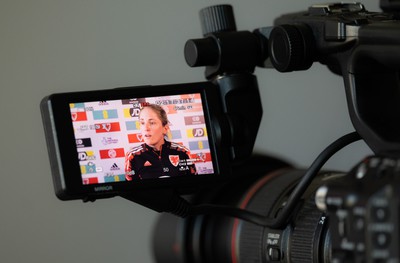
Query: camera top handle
x,y
373,86
361,46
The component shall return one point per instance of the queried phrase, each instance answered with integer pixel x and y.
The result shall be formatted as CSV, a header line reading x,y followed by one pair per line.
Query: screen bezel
x,y
63,153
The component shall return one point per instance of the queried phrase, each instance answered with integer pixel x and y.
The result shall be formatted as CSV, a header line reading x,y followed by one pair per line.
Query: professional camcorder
x,y
186,148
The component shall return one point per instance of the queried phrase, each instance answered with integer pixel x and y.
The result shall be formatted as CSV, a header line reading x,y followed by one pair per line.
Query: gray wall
x,y
49,46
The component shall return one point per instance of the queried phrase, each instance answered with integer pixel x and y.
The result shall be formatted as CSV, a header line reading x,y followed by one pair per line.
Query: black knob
x,y
201,52
217,18
310,238
214,19
290,47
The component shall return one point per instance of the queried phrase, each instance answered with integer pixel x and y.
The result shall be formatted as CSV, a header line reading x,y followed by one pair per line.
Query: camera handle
x,y
369,62
373,93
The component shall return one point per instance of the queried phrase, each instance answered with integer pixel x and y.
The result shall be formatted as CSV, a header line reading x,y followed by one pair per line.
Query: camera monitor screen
x,y
111,142
141,138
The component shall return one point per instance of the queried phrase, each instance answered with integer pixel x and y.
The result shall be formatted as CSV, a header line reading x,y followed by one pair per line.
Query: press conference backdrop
x,y
51,46
105,131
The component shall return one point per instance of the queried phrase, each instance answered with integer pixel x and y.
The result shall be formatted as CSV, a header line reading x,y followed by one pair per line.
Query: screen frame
x,y
62,148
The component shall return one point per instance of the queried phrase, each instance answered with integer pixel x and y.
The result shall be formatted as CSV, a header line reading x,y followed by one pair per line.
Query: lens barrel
x,y
306,238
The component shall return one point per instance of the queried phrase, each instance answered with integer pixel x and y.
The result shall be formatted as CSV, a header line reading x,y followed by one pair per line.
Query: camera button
x,y
380,214
273,253
359,223
382,240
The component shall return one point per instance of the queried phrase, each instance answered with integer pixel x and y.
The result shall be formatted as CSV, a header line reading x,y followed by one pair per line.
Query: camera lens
x,y
305,238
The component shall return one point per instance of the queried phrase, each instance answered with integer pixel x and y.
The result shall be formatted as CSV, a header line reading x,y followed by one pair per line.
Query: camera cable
x,y
183,208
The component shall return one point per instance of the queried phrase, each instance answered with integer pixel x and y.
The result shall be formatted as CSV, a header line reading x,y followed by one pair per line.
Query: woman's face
x,y
151,128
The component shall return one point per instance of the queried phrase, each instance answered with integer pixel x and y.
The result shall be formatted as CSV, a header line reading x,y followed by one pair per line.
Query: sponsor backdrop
x,y
106,130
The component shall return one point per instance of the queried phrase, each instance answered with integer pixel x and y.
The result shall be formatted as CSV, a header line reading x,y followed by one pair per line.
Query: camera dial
x,y
290,47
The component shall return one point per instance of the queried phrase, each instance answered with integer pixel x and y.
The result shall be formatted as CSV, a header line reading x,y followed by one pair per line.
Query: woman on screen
x,y
156,157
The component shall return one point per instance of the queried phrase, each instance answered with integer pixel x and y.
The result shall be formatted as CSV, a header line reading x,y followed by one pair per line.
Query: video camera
x,y
279,213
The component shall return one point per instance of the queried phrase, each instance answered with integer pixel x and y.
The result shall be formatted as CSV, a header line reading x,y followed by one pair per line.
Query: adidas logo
x,y
114,167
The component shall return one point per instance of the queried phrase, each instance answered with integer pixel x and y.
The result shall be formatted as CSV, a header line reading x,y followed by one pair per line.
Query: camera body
x,y
354,216
363,47
363,211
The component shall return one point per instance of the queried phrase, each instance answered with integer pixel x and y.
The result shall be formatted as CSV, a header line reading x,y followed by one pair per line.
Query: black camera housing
x,y
62,138
358,215
361,46
364,223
